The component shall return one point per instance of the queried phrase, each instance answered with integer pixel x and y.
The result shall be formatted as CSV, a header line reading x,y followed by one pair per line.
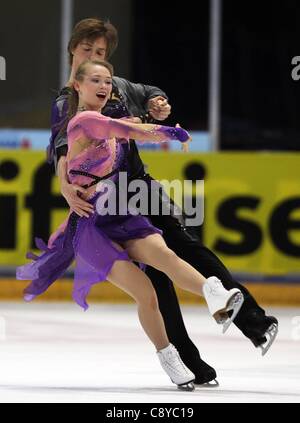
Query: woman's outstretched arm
x,y
96,126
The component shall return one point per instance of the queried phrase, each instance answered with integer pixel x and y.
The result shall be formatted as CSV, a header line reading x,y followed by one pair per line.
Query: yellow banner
x,y
252,205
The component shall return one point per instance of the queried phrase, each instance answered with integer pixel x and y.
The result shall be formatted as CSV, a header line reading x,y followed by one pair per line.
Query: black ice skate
x,y
270,335
206,376
211,384
268,331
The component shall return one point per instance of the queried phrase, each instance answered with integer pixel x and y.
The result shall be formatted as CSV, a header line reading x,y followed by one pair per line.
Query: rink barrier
x,y
273,294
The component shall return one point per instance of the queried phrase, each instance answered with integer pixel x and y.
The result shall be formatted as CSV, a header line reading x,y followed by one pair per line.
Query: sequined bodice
x,y
99,159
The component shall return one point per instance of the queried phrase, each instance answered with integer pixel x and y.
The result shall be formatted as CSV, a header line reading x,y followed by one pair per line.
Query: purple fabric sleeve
x,y
178,134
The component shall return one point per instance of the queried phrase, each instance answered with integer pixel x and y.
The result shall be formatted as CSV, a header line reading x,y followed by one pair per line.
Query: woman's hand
x,y
185,147
72,195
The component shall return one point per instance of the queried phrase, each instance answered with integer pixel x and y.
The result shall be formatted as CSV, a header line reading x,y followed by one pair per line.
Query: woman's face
x,y
89,50
95,90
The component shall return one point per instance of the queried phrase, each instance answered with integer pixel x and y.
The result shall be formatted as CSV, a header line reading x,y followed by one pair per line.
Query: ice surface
x,y
52,352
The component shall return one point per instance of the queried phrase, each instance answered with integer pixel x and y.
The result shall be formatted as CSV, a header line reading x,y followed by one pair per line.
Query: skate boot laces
x,y
174,362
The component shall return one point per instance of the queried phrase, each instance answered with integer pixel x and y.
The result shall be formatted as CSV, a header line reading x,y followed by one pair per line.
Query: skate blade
x,y
187,387
212,384
271,335
234,305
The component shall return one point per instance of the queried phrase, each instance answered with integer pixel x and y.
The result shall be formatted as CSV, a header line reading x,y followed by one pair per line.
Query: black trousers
x,y
187,245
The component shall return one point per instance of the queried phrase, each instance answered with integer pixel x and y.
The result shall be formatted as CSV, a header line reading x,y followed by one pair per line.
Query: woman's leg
x,y
154,252
134,282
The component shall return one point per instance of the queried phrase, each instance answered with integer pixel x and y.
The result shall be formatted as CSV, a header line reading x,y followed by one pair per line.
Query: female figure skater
x,y
106,245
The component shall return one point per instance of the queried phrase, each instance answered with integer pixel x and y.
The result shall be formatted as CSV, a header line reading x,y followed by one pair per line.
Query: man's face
x,y
89,50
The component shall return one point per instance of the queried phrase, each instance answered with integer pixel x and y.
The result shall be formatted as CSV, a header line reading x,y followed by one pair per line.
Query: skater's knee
x,y
153,302
149,301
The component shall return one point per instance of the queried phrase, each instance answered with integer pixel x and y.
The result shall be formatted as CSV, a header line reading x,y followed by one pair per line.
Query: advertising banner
x,y
251,205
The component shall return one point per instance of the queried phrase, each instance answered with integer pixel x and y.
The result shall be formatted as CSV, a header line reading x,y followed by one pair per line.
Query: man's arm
x,y
142,91
145,99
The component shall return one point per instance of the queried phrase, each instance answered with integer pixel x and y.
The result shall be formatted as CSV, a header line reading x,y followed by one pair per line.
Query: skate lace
x,y
174,361
214,287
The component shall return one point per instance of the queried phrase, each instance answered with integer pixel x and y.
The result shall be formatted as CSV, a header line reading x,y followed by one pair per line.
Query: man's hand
x,y
78,205
159,108
72,193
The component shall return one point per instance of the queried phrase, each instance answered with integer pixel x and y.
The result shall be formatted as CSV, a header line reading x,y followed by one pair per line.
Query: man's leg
x,y
252,319
186,243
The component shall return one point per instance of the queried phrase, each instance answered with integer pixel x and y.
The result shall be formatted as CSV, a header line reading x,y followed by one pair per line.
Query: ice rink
x,y
57,353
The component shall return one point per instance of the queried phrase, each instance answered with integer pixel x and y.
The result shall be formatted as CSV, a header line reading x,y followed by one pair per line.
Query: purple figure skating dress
x,y
92,241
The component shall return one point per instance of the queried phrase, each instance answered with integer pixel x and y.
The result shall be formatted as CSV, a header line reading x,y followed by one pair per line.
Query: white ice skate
x,y
175,368
220,301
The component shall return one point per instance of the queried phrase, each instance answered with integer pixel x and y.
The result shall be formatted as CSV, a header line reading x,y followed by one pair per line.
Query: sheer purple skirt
x,y
90,243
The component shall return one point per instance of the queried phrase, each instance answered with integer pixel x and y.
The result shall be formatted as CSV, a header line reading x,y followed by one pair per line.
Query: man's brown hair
x,y
91,29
